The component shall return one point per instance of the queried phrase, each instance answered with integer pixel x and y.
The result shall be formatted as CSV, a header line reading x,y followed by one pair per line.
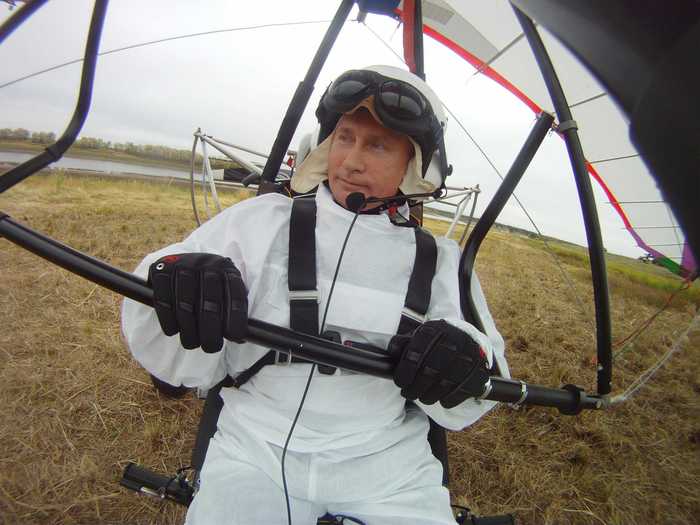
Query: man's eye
x,y
344,137
378,146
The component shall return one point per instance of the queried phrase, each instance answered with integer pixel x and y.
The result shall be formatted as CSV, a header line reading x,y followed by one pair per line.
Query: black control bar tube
x,y
488,218
374,362
19,18
567,126
301,97
57,149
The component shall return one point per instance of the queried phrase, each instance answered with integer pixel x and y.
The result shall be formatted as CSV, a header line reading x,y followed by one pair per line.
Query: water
x,y
106,166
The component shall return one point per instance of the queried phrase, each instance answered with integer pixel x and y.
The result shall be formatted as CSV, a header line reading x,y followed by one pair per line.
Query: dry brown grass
x,y
77,407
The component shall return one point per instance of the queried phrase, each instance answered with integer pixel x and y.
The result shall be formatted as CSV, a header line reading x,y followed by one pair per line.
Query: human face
x,y
366,157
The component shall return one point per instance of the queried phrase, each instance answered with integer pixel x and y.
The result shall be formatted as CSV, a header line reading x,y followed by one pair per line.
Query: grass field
x,y
77,408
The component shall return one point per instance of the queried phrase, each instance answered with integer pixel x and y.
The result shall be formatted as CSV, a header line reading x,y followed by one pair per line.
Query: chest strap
x,y
303,290
301,267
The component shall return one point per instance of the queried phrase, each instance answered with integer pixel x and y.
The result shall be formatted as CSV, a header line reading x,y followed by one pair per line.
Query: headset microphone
x,y
355,201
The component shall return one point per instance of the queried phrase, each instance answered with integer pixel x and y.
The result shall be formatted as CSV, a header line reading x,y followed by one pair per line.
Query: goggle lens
x,y
349,90
402,100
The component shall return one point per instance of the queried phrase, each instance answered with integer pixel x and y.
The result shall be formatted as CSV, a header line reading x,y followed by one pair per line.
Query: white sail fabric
x,y
488,35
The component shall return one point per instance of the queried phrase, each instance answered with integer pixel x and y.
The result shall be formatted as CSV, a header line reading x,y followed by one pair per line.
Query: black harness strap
x,y
301,273
419,286
303,291
303,308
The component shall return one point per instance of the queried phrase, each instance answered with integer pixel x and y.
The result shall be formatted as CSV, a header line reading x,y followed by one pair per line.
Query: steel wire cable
x,y
646,376
626,343
166,39
548,248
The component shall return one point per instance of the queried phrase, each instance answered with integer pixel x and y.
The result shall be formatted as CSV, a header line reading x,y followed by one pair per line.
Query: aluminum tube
x,y
588,208
56,150
301,96
488,217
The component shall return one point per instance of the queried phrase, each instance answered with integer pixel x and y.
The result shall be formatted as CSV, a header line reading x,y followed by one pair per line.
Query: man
x,y
357,448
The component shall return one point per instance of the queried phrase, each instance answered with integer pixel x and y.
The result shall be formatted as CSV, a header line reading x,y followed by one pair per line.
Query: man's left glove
x,y
202,296
439,362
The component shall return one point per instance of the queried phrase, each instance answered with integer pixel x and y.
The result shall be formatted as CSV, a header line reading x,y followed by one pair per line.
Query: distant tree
x,y
149,151
15,134
21,134
43,137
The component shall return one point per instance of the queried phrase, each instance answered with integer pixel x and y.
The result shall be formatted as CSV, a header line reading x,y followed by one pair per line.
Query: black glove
x,y
202,296
439,362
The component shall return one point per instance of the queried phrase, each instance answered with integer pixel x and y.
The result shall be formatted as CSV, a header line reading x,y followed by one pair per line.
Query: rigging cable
x,y
313,367
548,248
646,376
626,343
167,39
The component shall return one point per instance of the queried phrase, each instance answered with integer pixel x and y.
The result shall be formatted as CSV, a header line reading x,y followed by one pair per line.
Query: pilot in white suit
x,y
358,448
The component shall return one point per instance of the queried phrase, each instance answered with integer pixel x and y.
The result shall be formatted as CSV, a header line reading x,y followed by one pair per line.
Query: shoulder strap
x,y
301,267
419,286
303,291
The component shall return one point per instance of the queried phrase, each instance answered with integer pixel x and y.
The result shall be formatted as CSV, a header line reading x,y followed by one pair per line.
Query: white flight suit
x,y
356,449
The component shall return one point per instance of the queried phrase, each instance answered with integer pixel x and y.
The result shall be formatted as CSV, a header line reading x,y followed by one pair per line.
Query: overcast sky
x,y
236,86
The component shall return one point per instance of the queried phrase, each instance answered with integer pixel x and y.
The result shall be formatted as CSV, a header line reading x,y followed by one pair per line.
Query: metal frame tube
x,y
458,214
56,150
471,217
488,218
301,97
587,200
16,20
247,165
192,195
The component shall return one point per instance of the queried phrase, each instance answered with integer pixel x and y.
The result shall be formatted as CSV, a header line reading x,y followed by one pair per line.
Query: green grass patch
x,y
632,270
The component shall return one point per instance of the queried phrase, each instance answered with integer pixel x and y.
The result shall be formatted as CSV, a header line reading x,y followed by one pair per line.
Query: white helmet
x,y
398,100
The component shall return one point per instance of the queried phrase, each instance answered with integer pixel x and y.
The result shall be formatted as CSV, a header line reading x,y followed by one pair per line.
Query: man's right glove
x,y
202,296
439,362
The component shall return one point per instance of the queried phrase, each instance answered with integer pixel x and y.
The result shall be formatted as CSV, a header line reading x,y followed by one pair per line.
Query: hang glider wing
x,y
487,35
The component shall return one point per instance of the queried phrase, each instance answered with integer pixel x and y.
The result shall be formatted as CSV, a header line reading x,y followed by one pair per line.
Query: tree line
x,y
147,151
37,137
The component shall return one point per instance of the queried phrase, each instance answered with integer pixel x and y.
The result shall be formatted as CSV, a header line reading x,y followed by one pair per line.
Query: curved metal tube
x,y
194,201
588,207
56,150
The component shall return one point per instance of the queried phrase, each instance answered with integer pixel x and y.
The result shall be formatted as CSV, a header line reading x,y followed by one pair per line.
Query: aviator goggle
x,y
399,105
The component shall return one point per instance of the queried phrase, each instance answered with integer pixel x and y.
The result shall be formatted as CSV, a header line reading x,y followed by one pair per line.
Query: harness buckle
x,y
413,315
303,295
283,359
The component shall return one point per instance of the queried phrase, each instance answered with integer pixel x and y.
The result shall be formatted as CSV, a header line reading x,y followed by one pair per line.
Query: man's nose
x,y
354,160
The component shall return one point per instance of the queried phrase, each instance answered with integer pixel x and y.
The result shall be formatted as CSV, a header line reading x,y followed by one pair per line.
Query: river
x,y
106,166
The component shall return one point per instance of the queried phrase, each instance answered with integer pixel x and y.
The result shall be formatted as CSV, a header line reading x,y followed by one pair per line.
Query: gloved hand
x,y
439,362
202,296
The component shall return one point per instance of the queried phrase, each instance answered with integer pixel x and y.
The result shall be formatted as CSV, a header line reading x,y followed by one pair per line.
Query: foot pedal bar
x,y
175,488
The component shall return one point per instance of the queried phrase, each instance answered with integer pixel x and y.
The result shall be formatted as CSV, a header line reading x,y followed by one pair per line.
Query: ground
x,y
77,408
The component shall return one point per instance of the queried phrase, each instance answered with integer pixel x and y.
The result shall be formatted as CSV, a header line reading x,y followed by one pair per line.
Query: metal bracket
x,y
523,395
567,125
